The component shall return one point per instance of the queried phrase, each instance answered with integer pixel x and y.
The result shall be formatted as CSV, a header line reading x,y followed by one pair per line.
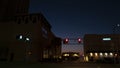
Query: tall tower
x,y
9,8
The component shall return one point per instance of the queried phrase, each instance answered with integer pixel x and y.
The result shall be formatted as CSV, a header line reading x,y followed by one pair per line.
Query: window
x,y
34,20
106,39
44,32
26,20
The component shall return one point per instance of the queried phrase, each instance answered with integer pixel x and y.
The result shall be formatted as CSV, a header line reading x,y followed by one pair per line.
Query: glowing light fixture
x,y
86,58
106,39
91,54
27,39
75,54
101,54
20,37
115,54
111,54
66,55
106,54
96,54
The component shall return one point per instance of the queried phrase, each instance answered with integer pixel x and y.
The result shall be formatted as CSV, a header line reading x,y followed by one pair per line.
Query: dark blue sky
x,y
74,18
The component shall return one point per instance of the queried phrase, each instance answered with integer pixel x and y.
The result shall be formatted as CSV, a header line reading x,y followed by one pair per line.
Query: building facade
x,y
24,36
28,37
9,8
101,46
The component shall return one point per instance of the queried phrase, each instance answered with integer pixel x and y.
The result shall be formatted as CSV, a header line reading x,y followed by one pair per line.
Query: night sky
x,y
75,18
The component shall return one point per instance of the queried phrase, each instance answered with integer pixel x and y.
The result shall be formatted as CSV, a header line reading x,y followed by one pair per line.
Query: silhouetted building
x,y
9,8
28,38
24,36
101,46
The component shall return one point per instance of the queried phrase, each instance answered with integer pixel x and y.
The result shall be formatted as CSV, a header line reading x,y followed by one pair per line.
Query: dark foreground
x,y
56,65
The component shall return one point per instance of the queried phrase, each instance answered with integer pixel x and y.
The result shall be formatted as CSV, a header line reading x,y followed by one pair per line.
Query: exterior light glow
x,y
115,54
29,53
86,59
75,54
106,54
20,37
101,54
91,54
27,39
111,54
96,54
66,55
60,57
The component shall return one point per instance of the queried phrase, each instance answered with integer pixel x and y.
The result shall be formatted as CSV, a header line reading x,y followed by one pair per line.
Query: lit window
x,y
44,32
106,39
91,54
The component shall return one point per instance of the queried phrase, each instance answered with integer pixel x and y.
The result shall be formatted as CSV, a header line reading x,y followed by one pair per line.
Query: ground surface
x,y
57,65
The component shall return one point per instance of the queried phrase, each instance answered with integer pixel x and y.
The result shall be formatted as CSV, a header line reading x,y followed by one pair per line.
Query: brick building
x,y
24,36
100,46
28,37
9,8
